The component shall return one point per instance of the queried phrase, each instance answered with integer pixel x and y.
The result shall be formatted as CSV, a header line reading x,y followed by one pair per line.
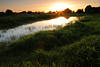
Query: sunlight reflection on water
x,y
16,33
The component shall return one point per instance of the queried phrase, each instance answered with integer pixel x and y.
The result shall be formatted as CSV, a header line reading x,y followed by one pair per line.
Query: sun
x,y
59,6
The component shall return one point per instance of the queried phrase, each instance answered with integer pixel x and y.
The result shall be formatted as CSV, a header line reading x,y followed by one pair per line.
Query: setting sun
x,y
59,6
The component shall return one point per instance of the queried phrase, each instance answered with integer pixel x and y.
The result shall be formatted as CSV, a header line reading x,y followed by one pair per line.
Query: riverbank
x,y
12,21
76,44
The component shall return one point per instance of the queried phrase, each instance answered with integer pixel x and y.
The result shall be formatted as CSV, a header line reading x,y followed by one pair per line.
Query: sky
x,y
44,5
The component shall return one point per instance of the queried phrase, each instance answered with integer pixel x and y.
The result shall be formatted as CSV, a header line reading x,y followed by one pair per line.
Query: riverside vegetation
x,y
75,45
14,20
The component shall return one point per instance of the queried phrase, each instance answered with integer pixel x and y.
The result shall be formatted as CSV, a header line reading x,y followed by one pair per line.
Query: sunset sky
x,y
44,5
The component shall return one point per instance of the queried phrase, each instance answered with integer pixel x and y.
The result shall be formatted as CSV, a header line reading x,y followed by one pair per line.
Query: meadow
x,y
75,45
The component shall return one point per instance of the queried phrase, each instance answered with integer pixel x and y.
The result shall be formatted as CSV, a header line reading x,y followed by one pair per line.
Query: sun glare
x,y
59,21
59,6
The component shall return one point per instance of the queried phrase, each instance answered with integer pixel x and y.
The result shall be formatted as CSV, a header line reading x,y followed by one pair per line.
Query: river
x,y
15,33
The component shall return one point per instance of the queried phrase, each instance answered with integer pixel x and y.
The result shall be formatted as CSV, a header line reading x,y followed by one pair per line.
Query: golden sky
x,y
45,5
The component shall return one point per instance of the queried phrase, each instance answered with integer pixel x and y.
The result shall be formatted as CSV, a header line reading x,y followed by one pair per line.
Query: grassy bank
x,y
12,21
75,45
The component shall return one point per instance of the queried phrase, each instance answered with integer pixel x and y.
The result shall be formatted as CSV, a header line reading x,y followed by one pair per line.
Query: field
x,y
75,45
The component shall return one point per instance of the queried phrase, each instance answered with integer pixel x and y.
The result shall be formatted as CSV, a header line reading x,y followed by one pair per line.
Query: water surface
x,y
16,33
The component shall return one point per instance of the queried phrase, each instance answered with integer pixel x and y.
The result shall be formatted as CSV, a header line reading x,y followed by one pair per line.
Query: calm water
x,y
16,33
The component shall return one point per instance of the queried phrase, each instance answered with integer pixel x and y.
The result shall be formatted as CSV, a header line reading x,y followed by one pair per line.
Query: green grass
x,y
75,45
12,21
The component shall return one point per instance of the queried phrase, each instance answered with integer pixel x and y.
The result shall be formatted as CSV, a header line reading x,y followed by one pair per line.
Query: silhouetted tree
x,y
80,11
95,10
67,11
23,12
89,9
50,12
8,11
99,9
2,13
29,12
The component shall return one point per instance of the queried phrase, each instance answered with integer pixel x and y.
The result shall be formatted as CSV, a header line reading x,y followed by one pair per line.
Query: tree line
x,y
88,10
10,12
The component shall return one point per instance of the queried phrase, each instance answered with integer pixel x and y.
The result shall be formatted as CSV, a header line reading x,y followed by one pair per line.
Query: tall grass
x,y
75,45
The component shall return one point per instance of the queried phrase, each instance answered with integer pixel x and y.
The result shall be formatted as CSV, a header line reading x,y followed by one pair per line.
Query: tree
x,y
29,12
8,11
80,11
88,9
2,13
67,10
23,12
